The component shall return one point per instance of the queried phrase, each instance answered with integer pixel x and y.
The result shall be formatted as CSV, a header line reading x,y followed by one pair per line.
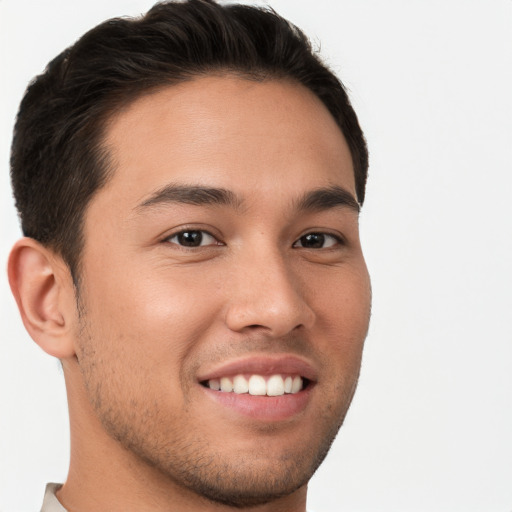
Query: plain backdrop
x,y
430,428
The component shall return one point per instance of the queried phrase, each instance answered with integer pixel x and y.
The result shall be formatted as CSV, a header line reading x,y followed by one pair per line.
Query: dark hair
x,y
57,159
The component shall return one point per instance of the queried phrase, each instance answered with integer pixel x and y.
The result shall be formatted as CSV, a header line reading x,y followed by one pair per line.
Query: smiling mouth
x,y
258,385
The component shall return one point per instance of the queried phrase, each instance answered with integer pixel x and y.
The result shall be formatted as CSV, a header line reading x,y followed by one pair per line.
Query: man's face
x,y
224,251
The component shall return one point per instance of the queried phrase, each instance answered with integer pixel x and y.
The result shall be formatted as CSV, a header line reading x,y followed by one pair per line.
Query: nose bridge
x,y
266,294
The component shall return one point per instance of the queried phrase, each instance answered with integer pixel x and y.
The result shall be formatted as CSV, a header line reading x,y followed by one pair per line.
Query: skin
x,y
153,316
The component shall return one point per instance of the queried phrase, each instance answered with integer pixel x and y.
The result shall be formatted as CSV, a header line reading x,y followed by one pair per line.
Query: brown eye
x,y
317,241
192,238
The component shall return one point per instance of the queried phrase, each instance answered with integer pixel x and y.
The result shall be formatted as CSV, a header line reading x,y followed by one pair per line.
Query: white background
x,y
431,424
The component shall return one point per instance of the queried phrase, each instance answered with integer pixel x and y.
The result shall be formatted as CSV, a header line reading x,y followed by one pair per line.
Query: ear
x,y
43,288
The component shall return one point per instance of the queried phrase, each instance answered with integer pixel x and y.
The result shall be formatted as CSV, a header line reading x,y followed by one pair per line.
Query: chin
x,y
248,478
249,485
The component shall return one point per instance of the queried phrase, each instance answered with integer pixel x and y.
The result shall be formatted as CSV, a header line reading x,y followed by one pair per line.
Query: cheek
x,y
138,334
158,316
342,307
343,298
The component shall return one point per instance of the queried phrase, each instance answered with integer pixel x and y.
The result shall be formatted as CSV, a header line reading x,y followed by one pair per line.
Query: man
x,y
189,186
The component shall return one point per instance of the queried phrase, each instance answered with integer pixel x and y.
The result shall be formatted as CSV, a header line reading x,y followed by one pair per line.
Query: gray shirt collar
x,y
50,502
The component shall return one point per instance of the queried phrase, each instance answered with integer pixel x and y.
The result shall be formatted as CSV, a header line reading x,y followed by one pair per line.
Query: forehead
x,y
230,132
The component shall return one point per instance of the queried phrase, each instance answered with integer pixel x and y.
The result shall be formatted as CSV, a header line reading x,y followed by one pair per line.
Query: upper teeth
x,y
276,385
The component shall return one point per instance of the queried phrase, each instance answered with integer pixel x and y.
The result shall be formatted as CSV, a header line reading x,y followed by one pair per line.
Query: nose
x,y
265,294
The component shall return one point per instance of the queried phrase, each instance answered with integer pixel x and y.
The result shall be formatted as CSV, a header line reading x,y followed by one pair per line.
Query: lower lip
x,y
263,408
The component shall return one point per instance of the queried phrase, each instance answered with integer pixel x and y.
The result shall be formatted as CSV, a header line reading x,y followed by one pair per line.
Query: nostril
x,y
277,312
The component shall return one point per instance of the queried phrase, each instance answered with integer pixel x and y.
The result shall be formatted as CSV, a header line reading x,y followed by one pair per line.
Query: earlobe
x,y
43,289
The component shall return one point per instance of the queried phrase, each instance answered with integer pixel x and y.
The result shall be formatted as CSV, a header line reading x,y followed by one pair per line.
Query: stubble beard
x,y
188,461
244,480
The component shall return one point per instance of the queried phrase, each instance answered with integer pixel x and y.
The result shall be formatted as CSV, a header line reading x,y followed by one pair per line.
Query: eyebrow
x,y
315,200
327,198
191,194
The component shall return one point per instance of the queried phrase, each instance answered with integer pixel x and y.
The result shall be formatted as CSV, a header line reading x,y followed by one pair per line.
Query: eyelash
x,y
338,241
184,232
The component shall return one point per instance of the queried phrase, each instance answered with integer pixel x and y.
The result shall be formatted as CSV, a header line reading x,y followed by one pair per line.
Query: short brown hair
x,y
57,159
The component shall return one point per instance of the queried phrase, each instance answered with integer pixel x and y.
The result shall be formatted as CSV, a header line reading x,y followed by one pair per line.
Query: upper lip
x,y
287,364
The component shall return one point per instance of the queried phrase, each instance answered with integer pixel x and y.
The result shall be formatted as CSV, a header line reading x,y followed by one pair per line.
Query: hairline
x,y
102,153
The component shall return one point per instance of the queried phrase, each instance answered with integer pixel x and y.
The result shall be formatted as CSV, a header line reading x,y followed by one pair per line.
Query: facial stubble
x,y
189,462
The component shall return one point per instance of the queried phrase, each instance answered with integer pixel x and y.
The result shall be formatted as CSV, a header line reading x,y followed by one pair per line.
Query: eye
x,y
193,238
318,241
